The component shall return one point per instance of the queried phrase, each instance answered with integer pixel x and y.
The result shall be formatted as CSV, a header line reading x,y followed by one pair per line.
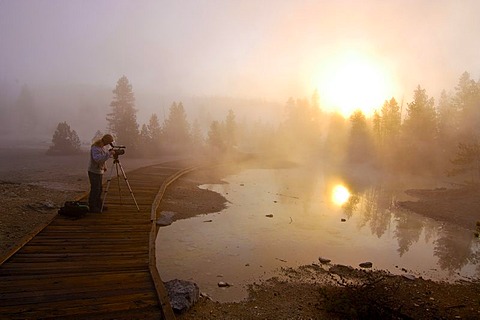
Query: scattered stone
x,y
324,260
409,276
366,264
166,218
183,294
242,184
247,265
223,284
205,295
341,269
343,219
48,204
208,221
269,215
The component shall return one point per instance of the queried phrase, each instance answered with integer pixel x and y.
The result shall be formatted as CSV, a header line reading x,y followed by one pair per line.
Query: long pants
x,y
96,189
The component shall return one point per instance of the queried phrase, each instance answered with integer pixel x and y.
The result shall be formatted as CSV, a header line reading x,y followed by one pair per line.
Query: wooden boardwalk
x,y
95,267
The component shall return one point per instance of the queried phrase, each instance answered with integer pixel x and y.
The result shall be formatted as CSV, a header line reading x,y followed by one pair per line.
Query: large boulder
x,y
183,294
166,218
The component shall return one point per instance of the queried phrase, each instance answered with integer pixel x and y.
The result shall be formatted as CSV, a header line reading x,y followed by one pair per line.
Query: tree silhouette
x,y
122,121
360,148
467,160
420,132
230,129
300,132
150,136
145,138
391,122
214,136
197,137
65,141
176,128
448,125
386,128
154,130
467,102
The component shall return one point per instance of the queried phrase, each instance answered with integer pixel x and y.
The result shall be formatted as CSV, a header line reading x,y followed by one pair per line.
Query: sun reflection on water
x,y
340,194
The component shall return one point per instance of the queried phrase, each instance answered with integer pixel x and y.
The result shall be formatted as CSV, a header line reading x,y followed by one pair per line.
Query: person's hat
x,y
107,139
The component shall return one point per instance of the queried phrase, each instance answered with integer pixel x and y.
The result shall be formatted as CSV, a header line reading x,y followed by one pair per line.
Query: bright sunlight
x,y
340,194
352,81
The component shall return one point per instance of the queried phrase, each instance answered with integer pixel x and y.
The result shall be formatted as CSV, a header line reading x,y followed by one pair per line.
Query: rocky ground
x,y
33,186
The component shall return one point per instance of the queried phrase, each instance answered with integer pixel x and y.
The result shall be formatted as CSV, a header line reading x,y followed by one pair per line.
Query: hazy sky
x,y
271,49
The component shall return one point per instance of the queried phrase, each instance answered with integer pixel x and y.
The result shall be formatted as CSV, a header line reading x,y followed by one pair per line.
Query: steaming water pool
x,y
290,217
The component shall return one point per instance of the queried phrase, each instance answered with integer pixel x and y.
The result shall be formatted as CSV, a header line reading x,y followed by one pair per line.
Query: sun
x,y
340,194
353,80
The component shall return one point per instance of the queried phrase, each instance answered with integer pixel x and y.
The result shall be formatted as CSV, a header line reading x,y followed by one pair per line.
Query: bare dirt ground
x,y
33,186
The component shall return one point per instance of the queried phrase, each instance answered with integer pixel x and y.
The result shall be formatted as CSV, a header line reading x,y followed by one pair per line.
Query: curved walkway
x,y
96,267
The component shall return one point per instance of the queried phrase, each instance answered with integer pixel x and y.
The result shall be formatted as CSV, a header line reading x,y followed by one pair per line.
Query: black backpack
x,y
74,209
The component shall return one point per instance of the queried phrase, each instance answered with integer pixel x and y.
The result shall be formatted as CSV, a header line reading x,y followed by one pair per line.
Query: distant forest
x,y
421,136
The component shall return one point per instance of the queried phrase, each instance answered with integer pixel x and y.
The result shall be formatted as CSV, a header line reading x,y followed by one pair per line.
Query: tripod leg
x,y
106,189
118,181
128,185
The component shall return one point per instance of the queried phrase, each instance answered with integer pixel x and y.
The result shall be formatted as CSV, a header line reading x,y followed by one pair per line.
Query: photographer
x,y
99,154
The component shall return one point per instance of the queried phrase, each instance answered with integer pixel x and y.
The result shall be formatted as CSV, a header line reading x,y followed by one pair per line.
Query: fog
x,y
249,56
346,92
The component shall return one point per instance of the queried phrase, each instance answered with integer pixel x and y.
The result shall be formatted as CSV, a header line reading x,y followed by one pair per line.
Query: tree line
x,y
420,136
174,135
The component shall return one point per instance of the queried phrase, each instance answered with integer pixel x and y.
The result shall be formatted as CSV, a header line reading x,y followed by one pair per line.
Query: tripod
x,y
117,165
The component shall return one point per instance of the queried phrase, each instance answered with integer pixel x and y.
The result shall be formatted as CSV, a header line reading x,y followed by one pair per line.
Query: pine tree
x,y
467,102
145,138
154,129
230,129
65,140
177,128
122,121
391,121
197,137
420,133
467,160
420,123
448,124
360,147
214,136
387,129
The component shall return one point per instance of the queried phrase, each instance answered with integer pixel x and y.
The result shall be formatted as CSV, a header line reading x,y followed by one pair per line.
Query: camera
x,y
117,150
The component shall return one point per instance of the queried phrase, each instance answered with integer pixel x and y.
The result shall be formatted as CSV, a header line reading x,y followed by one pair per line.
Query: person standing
x,y
99,154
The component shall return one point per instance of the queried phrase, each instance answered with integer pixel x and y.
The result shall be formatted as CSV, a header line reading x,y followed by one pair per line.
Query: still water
x,y
290,217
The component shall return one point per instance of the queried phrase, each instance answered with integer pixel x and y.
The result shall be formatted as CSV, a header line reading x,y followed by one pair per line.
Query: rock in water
x,y
223,284
183,294
409,276
166,218
324,260
366,264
